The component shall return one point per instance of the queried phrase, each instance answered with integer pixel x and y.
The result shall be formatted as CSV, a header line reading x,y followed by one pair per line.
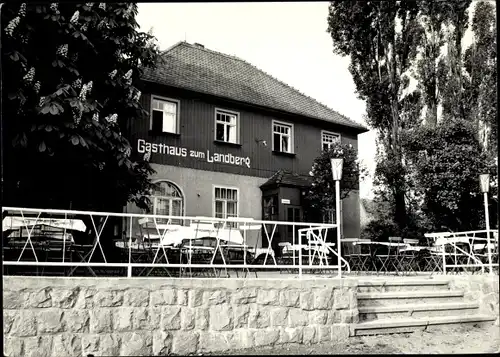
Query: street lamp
x,y
484,181
337,165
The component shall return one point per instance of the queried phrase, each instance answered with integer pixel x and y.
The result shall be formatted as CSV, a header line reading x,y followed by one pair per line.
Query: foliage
x,y
381,40
448,166
320,197
71,89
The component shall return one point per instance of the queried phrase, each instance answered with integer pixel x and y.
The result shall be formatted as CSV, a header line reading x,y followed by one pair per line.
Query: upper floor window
x,y
226,203
226,126
282,137
328,139
164,115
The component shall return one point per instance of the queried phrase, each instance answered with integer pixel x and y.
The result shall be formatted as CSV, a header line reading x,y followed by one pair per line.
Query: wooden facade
x,y
195,145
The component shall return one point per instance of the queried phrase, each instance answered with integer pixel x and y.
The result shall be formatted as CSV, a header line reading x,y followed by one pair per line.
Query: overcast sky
x,y
286,40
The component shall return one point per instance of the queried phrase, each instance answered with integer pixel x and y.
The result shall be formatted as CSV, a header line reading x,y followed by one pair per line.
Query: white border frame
x,y
330,133
238,130
177,116
231,188
292,136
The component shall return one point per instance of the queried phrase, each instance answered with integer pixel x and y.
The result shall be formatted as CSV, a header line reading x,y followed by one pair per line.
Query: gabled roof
x,y
198,69
286,178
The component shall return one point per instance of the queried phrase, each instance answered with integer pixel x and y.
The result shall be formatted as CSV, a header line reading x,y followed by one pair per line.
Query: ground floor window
x,y
167,199
226,203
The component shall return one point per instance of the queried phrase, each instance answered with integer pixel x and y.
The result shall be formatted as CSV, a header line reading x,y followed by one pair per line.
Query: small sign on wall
x,y
285,201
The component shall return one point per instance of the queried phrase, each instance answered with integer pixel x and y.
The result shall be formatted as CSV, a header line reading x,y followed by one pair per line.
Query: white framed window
x,y
282,137
226,203
227,126
168,200
328,139
164,115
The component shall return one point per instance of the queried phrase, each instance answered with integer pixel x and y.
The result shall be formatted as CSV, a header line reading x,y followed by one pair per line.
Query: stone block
x,y
349,316
170,318
185,342
14,299
340,334
214,341
290,298
279,316
39,346
341,299
49,320
136,344
13,346
85,299
65,298
162,343
188,318
217,297
323,299
318,317
24,325
324,333
266,337
111,298
291,335
166,296
241,314
101,320
268,297
122,319
297,317
9,317
136,297
101,344
76,320
307,300
241,338
202,318
182,297
40,298
245,296
333,317
221,318
195,298
309,335
64,345
259,317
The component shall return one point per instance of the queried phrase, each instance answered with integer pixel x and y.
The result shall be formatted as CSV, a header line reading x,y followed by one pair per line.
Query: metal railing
x,y
68,242
467,251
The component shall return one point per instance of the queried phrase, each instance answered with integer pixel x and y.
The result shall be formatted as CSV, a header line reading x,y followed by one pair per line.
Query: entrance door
x,y
293,214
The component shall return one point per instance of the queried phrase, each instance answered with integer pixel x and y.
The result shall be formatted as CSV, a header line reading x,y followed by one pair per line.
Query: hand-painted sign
x,y
143,146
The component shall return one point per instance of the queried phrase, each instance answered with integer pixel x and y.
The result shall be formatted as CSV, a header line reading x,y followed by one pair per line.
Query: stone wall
x,y
119,316
482,288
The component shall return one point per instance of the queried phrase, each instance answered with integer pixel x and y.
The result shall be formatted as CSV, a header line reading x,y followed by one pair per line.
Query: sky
x,y
287,40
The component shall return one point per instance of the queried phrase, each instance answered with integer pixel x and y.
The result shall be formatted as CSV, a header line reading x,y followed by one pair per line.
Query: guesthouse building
x,y
227,139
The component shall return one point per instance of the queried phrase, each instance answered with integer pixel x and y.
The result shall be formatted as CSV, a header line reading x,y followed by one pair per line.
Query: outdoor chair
x,y
361,256
389,259
409,256
288,256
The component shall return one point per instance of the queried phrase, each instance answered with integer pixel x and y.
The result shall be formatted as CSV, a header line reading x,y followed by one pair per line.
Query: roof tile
x,y
201,70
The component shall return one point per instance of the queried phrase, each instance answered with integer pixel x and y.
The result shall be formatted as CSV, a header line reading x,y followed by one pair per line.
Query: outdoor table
x,y
389,259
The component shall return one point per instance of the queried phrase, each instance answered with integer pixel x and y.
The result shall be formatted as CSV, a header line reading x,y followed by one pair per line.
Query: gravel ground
x,y
456,340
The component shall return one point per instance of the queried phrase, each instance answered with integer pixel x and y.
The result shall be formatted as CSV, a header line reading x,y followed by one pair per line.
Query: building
x,y
227,139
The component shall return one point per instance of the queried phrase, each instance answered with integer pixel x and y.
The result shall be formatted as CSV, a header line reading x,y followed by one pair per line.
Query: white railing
x,y
467,251
65,241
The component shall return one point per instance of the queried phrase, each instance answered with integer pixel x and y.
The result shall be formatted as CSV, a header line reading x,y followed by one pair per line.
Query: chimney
x,y
199,45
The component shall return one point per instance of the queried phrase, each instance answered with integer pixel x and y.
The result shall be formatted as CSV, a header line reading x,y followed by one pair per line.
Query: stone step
x,y
409,297
371,313
405,325
394,285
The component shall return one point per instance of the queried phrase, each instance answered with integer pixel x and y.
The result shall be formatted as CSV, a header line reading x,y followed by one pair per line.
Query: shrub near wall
x,y
119,316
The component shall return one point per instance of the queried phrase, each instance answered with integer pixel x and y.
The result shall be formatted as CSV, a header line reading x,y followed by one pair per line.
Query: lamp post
x,y
484,181
337,165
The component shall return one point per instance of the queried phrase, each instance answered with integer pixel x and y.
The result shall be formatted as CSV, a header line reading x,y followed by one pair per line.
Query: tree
x,y
71,88
381,40
320,197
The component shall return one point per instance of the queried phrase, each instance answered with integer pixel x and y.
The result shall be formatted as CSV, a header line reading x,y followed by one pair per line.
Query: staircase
x,y
398,305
